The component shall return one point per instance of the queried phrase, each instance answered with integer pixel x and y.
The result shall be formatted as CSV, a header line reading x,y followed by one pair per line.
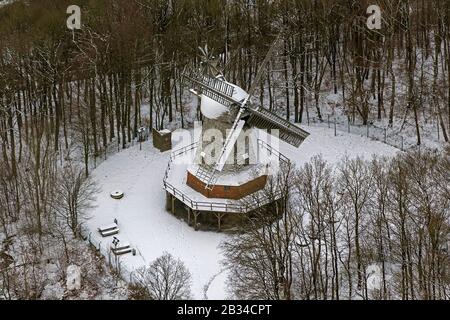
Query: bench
x,y
108,230
119,252
121,249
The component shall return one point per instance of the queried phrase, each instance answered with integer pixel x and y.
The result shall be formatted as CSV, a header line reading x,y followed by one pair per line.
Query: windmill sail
x,y
265,119
229,145
213,88
234,132
262,68
243,105
222,92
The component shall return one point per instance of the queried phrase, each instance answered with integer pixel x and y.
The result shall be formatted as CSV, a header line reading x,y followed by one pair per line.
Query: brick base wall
x,y
226,192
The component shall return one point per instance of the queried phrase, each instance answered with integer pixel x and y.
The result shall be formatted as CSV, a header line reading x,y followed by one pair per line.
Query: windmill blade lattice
x,y
213,88
265,119
243,105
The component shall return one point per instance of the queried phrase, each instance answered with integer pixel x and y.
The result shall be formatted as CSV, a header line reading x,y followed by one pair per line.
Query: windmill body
x,y
233,157
242,170
217,123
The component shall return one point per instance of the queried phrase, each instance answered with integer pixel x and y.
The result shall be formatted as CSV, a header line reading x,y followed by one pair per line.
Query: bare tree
x,y
316,234
76,194
166,278
260,259
355,188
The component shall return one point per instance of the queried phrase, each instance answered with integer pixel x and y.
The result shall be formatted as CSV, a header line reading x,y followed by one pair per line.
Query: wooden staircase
x,y
207,176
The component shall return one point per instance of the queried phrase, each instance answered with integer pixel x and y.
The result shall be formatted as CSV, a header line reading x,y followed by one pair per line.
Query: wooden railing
x,y
183,150
271,150
246,205
177,153
203,206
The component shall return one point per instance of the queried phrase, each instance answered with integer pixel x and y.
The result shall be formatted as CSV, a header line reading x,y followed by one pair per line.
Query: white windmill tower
x,y
226,164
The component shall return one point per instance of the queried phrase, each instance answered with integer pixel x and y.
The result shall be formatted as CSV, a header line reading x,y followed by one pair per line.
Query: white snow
x,y
322,141
73,281
374,274
164,131
53,292
145,224
374,279
142,218
333,98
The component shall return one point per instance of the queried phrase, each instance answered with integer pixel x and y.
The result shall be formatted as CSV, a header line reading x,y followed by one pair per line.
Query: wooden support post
x,y
335,129
173,205
189,215
168,201
219,220
196,214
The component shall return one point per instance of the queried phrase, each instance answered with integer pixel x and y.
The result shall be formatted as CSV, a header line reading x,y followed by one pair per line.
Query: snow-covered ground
x,y
142,219
145,224
334,148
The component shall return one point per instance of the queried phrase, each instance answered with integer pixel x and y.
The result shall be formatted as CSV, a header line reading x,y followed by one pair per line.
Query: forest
x,y
342,224
71,98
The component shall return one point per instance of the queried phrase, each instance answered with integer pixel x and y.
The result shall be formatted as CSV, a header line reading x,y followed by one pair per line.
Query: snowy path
x,y
145,224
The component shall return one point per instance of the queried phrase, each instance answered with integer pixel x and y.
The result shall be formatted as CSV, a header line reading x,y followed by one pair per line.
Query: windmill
x,y
229,108
208,61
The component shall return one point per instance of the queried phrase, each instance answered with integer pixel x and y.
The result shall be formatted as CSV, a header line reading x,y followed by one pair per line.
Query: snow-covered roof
x,y
213,109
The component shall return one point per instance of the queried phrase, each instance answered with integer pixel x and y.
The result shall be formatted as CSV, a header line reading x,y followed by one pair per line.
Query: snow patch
x,y
53,292
73,277
374,279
